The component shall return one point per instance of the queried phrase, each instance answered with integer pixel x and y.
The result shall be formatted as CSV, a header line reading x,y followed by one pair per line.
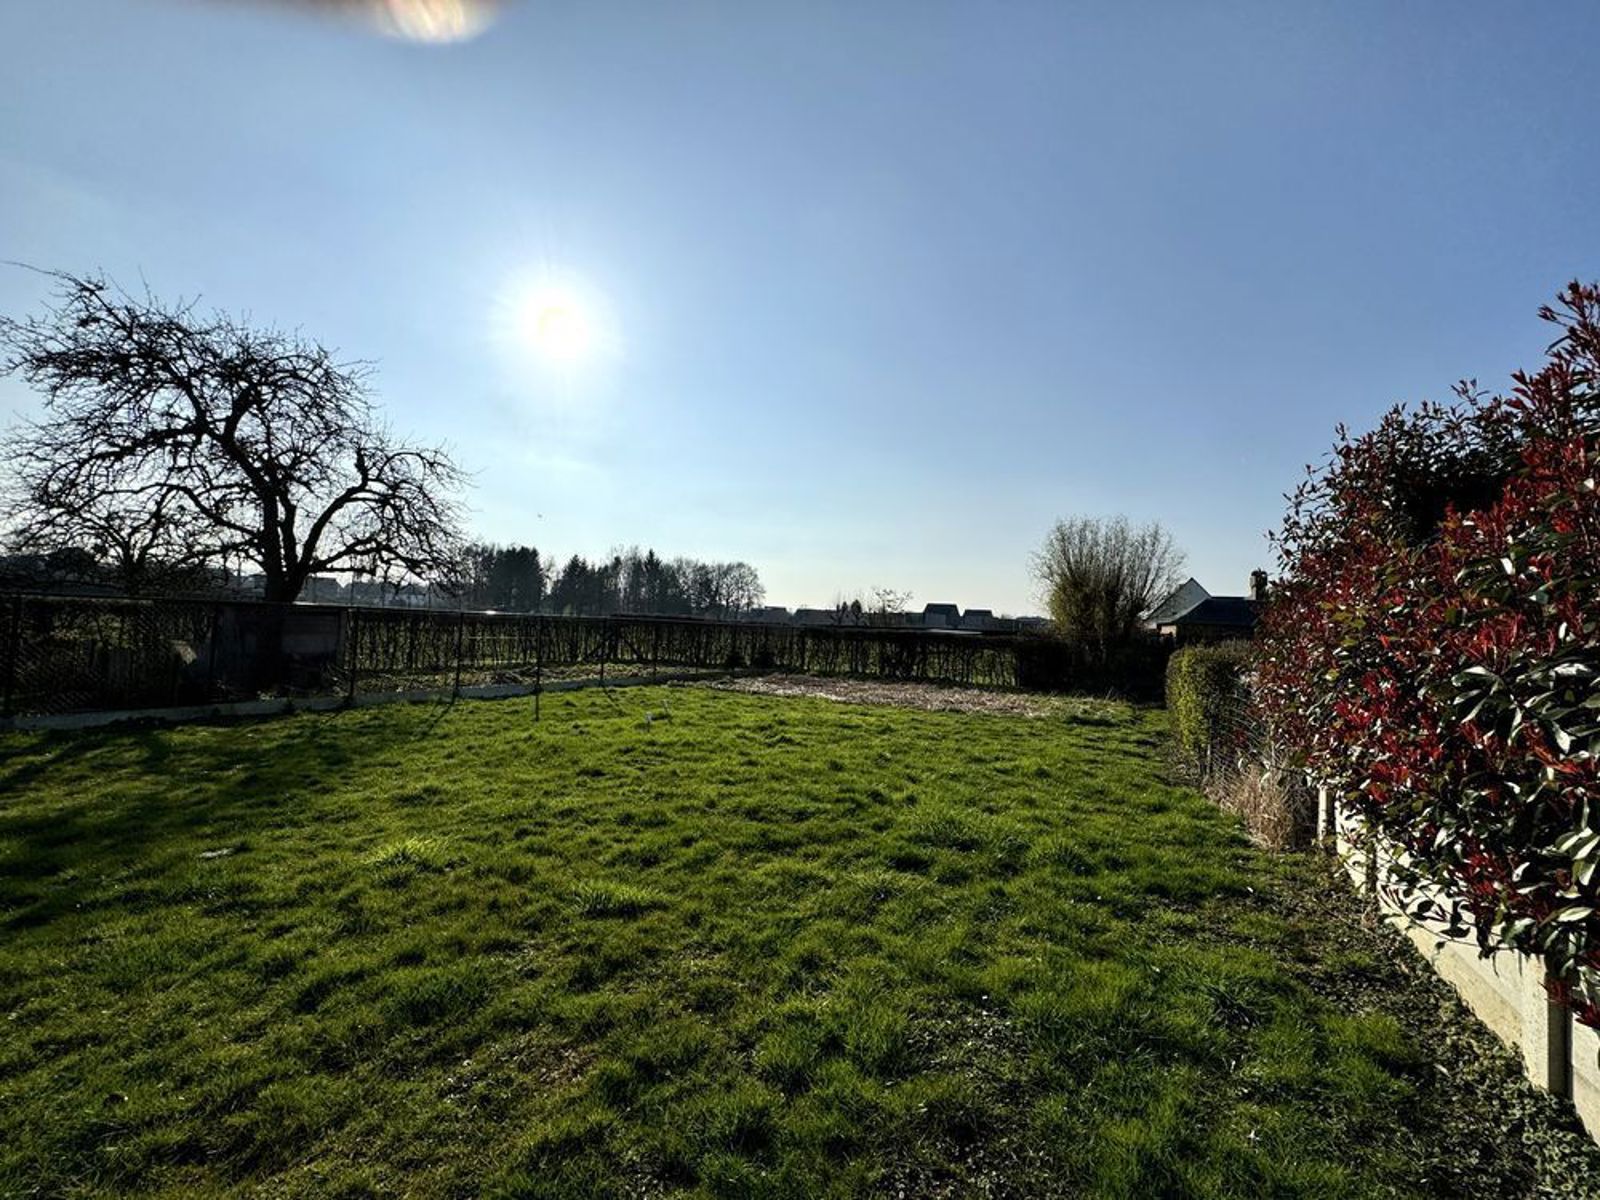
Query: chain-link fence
x,y
1225,745
67,654
71,655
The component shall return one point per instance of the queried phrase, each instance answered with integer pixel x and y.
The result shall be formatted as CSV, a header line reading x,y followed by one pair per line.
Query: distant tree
x,y
890,600
173,437
518,579
508,578
742,589
471,582
698,583
609,597
1099,576
151,547
570,590
661,587
848,610
69,567
887,606
637,582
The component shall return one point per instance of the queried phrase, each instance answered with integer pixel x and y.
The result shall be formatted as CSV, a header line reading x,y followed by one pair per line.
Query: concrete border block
x,y
1583,1073
1505,990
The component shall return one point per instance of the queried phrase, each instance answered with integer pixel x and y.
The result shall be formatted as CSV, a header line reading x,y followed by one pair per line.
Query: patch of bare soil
x,y
929,697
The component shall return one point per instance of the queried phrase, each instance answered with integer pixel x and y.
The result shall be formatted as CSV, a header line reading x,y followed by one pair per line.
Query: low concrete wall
x,y
1505,990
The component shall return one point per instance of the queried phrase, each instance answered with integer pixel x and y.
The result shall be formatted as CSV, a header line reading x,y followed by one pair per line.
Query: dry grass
x,y
930,697
1277,808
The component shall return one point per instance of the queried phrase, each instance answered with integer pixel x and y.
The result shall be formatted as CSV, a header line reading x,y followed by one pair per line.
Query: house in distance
x,y
1192,614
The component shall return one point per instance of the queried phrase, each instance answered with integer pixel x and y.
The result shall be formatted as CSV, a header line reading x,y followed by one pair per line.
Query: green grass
x,y
675,941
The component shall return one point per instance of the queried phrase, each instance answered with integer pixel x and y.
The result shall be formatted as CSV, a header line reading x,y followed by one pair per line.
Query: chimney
x,y
1258,585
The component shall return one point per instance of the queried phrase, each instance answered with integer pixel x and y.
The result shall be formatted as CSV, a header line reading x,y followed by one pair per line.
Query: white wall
x,y
1505,991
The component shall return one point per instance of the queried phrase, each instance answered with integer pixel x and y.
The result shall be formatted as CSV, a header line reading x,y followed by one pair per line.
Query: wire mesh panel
x,y
64,654
68,654
1245,770
400,650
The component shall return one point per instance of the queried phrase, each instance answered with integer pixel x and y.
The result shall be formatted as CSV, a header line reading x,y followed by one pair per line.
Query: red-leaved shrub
x,y
1434,645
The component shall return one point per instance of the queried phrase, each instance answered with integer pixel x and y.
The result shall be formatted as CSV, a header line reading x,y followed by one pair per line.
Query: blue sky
x,y
886,287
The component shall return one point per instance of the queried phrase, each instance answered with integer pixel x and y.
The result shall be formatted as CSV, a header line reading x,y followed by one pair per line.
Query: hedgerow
x,y
1433,646
1204,686
1223,743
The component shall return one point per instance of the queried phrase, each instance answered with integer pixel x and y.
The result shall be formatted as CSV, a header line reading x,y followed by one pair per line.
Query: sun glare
x,y
559,321
556,322
558,328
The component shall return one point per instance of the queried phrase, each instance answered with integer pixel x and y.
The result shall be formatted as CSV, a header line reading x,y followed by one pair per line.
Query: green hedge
x,y
1202,686
1132,671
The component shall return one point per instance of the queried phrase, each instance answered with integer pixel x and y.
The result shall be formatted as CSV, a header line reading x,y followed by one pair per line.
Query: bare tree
x,y
169,435
849,611
889,606
1099,576
144,547
741,587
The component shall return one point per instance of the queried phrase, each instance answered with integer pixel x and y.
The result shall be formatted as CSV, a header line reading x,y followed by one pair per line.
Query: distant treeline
x,y
507,578
519,579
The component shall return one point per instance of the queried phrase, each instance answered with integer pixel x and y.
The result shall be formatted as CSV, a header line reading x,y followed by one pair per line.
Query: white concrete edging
x,y
1506,990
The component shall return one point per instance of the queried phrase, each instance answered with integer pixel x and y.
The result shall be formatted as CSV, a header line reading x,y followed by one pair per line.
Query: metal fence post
x,y
212,649
461,626
13,655
538,663
355,650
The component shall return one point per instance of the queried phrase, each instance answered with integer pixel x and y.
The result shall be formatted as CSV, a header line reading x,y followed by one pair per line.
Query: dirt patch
x,y
929,697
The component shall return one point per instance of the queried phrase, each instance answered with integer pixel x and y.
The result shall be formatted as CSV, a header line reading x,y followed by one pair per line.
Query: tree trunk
x,y
268,667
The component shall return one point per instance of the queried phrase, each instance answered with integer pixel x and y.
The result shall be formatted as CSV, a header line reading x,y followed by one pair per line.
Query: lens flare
x,y
431,21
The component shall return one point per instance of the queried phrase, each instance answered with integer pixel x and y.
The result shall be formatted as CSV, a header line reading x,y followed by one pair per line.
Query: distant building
x,y
772,614
983,620
946,617
71,573
248,587
1184,597
893,620
371,593
322,589
1211,618
418,595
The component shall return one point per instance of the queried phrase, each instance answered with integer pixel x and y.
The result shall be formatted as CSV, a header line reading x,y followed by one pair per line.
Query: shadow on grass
x,y
133,789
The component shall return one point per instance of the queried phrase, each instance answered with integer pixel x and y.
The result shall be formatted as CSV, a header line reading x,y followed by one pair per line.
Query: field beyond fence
x,y
70,654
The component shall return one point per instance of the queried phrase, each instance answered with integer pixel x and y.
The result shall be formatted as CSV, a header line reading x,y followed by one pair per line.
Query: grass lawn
x,y
679,941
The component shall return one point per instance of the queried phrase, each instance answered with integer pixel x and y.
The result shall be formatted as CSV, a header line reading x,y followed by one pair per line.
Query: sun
x,y
557,326
555,323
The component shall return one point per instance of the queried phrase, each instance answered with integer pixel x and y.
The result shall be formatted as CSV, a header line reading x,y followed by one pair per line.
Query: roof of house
x,y
1181,599
946,610
1239,611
